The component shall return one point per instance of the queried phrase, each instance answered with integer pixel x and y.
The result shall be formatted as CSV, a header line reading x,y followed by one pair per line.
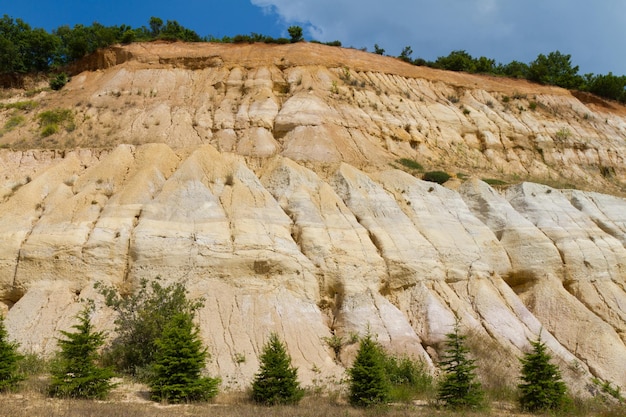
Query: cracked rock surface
x,y
267,181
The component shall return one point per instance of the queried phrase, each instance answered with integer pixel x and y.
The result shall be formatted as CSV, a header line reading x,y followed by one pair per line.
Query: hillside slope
x,y
268,179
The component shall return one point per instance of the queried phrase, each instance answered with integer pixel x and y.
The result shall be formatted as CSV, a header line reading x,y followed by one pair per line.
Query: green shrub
x,y
49,130
141,320
439,177
51,120
459,387
613,391
22,105
57,116
178,361
408,378
494,181
76,373
58,81
541,387
295,34
10,374
13,122
277,380
410,163
34,364
369,384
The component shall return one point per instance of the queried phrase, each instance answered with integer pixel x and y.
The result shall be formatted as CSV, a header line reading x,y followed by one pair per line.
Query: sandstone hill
x,y
273,181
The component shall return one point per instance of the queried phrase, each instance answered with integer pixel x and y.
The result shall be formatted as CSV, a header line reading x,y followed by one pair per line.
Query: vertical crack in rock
x,y
129,247
23,243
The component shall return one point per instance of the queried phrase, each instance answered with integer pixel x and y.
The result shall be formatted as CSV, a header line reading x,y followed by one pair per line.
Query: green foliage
x,y
23,49
58,81
295,34
514,69
178,361
277,380
9,360
51,120
410,163
156,25
49,130
405,54
494,181
141,319
439,177
555,69
76,373
541,387
609,86
608,388
459,387
13,122
26,106
408,378
456,61
34,364
172,30
369,384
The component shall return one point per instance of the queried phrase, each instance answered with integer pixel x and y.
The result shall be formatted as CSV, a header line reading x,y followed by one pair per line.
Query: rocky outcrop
x,y
269,184
276,246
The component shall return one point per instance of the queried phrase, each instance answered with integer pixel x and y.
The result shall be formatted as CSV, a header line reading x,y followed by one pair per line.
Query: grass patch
x,y
439,177
51,121
49,130
13,122
494,181
21,105
410,163
409,379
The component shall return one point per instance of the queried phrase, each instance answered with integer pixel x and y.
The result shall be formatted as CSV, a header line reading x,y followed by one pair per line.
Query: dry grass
x,y
131,400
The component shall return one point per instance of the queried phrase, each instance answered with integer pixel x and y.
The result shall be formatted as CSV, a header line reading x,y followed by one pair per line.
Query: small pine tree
x,y
141,318
368,381
295,34
76,373
178,362
9,360
459,387
542,388
277,380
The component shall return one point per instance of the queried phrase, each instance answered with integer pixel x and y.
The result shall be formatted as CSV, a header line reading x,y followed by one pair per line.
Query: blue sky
x,y
594,33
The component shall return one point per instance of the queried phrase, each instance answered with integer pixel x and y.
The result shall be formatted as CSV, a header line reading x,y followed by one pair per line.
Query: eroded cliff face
x,y
268,184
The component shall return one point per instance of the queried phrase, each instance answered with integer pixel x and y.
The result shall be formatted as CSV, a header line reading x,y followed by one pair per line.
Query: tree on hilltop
x,y
295,34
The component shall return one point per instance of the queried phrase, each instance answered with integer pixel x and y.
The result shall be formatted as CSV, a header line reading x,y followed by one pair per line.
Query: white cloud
x,y
592,32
